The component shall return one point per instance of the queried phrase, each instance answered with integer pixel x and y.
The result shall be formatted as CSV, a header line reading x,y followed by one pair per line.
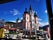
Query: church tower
x,y
33,25
26,19
36,21
30,19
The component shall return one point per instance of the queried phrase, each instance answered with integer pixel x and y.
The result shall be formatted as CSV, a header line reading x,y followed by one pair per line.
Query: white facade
x,y
32,19
27,22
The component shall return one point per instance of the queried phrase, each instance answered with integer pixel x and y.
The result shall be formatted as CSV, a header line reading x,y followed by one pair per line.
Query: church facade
x,y
30,20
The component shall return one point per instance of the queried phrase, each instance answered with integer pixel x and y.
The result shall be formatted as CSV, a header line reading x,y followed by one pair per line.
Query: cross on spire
x,y
30,7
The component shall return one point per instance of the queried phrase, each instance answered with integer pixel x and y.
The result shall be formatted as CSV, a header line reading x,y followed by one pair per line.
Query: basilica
x,y
30,20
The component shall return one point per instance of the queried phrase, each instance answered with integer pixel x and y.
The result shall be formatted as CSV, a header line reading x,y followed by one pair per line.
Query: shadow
x,y
6,1
50,15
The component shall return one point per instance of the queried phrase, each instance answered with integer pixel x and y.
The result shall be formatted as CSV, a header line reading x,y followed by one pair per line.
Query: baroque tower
x,y
33,25
26,19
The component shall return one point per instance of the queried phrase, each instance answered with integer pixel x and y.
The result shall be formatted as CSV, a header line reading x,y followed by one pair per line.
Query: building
x,y
30,19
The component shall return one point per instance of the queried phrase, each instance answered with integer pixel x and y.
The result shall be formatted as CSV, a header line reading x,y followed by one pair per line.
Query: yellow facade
x,y
1,33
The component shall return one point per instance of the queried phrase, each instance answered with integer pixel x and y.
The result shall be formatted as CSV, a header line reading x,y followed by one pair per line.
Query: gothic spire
x,y
30,7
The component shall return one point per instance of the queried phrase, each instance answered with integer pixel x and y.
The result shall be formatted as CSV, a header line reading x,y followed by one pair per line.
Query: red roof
x,y
12,29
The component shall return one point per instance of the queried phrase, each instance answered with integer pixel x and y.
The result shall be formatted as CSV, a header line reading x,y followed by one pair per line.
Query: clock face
x,y
27,17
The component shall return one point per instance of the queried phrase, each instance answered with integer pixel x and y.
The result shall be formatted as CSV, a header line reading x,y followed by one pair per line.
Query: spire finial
x,y
30,7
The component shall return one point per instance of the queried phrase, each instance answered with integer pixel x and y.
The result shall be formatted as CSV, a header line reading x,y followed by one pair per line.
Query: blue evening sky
x,y
13,10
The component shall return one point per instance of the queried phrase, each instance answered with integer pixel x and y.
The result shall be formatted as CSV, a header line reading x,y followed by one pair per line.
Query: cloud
x,y
21,18
43,23
39,19
45,11
15,21
19,21
15,12
12,21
